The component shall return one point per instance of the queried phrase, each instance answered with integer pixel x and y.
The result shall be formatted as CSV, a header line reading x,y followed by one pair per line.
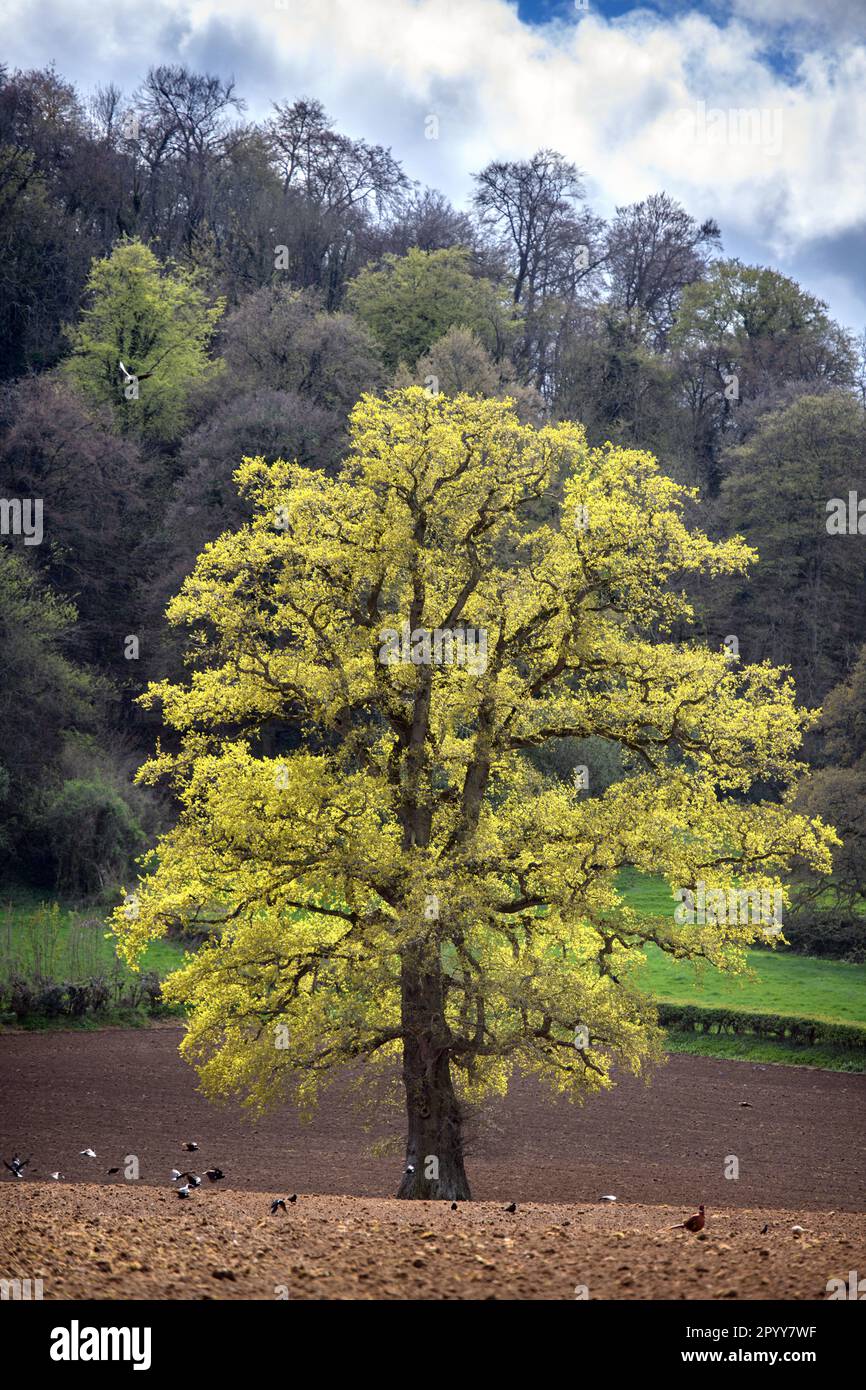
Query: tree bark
x,y
434,1144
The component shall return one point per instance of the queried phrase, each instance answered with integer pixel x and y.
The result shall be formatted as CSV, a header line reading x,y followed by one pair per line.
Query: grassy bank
x,y
59,968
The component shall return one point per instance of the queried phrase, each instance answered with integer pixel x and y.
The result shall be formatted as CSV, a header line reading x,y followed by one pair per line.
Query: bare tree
x,y
535,209
655,249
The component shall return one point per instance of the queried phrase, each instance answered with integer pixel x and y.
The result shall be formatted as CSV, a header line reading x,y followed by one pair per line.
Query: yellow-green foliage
x,y
156,322
317,865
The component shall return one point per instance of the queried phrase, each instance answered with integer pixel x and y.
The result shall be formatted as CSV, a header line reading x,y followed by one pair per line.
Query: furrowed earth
x,y
797,1135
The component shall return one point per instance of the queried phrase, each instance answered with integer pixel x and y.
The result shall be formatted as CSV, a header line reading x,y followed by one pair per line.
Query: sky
x,y
750,111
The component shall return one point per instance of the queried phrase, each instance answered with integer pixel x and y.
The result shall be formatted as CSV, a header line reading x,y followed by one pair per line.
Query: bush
x,y
28,998
837,933
694,1018
89,835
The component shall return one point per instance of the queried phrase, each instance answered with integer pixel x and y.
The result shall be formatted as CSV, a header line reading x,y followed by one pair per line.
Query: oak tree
x,y
404,885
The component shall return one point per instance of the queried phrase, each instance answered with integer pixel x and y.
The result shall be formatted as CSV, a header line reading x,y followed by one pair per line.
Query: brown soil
x,y
660,1149
94,1242
125,1091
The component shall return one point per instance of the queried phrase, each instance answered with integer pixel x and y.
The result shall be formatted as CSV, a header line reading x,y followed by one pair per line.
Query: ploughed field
x,y
87,1241
796,1134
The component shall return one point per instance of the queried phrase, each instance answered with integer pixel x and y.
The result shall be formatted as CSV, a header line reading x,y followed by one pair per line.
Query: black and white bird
x,y
175,1174
111,1171
511,1208
276,1204
190,1146
17,1166
130,377
87,1153
56,1176
607,1198
193,1179
183,1191
214,1174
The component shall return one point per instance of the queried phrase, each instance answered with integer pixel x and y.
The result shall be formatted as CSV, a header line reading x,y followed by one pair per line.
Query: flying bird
x,y
190,1146
193,1179
87,1153
183,1191
694,1223
608,1198
110,1171
129,377
214,1174
17,1166
175,1174
55,1176
511,1208
276,1204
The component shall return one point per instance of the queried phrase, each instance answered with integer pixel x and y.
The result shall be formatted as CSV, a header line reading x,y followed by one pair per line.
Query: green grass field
x,y
57,943
775,982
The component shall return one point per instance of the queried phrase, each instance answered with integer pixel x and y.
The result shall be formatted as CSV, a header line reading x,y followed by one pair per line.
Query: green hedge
x,y
691,1018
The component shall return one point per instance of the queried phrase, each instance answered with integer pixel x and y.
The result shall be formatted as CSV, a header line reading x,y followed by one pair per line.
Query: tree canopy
x,y
153,321
404,883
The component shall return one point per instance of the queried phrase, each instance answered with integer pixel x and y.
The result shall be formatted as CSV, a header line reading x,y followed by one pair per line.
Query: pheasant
x,y
694,1223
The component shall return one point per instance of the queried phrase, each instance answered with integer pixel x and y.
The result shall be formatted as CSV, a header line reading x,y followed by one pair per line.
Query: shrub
x,y
837,933
694,1018
29,998
90,834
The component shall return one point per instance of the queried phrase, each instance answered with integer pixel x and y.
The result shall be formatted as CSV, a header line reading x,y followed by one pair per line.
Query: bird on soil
x,y
17,1166
693,1223
511,1208
453,1206
276,1204
764,1230
183,1191
214,1174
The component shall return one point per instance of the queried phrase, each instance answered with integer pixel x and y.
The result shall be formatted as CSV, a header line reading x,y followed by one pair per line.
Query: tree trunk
x,y
434,1145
